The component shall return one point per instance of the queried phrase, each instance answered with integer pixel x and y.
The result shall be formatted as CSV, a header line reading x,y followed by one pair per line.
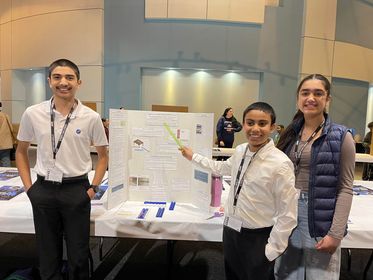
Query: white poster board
x,y
145,163
116,192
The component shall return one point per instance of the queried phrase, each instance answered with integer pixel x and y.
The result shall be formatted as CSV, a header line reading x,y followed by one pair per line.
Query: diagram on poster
x,y
153,166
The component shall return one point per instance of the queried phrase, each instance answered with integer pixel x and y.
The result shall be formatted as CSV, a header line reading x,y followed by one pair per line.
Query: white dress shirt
x,y
267,197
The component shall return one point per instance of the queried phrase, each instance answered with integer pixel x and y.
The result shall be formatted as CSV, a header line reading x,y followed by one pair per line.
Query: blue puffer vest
x,y
324,175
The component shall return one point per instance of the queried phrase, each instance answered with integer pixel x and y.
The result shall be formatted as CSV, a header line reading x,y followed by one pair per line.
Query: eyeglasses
x,y
318,93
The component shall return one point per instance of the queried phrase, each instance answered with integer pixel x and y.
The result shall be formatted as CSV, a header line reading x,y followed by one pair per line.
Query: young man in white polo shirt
x,y
64,130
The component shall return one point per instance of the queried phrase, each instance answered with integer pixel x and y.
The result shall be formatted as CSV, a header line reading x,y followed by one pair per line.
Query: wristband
x,y
95,188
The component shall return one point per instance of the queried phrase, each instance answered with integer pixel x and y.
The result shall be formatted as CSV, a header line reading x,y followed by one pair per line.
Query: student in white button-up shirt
x,y
261,210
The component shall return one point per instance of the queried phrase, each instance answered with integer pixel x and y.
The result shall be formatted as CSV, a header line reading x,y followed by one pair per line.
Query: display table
x,y
363,158
360,225
222,152
185,222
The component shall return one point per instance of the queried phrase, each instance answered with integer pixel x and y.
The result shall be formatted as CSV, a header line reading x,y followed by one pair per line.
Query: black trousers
x,y
244,254
61,211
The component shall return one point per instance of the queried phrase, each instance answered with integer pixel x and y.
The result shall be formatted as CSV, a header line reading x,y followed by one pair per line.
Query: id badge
x,y
233,223
54,175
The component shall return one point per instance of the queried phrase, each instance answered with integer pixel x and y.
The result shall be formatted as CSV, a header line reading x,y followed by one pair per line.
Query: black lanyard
x,y
54,147
298,154
238,183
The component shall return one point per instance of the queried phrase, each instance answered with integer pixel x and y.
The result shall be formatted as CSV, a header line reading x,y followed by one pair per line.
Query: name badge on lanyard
x,y
54,174
233,223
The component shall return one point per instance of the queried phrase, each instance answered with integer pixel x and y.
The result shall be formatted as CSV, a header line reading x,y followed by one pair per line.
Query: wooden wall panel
x,y
38,7
54,39
6,46
247,11
156,8
250,11
320,22
5,11
218,10
191,9
317,56
353,62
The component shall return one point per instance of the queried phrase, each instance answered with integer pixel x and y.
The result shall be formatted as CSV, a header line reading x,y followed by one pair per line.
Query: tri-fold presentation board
x,y
145,163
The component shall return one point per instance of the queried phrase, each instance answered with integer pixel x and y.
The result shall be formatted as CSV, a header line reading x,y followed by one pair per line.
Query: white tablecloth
x,y
186,222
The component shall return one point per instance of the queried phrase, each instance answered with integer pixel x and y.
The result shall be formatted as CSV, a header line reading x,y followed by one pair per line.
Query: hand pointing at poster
x,y
186,152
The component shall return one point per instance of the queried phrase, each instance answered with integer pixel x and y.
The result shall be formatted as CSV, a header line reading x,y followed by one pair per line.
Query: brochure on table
x,y
145,163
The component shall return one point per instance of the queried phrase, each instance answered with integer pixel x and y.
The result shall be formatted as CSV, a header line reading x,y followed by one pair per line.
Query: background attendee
x,y
64,129
261,206
279,129
226,127
358,138
323,154
368,138
367,167
6,139
105,123
359,144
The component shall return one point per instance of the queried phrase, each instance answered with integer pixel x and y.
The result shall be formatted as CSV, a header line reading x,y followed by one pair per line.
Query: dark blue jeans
x,y
301,260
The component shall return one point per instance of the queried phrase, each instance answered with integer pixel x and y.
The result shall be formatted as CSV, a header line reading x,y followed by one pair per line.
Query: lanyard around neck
x,y
298,154
238,183
54,147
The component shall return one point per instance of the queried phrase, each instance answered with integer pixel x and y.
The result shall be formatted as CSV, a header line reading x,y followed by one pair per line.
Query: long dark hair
x,y
226,111
289,135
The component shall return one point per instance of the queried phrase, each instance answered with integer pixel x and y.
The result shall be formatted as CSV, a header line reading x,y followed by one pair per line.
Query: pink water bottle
x,y
216,189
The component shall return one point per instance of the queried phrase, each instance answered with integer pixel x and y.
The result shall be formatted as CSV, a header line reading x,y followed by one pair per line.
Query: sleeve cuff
x,y
196,157
270,253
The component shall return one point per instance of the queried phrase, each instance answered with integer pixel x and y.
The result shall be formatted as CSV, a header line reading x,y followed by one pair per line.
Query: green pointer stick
x,y
178,142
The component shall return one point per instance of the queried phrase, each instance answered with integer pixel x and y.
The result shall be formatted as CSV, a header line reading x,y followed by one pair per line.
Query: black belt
x,y
67,179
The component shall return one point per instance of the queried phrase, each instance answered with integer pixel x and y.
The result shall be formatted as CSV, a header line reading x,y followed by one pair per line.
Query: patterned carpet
x,y
151,259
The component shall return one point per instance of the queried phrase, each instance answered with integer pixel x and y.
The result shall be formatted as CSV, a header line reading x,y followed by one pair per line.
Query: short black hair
x,y
261,106
64,62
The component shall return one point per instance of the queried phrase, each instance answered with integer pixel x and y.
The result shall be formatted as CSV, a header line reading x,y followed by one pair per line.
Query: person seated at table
x,y
367,169
6,139
368,138
359,147
105,123
261,209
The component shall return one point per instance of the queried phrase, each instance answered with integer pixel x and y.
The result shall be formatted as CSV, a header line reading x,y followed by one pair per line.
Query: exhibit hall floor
x,y
147,259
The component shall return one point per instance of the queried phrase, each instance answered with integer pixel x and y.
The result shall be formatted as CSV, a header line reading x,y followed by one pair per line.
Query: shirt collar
x,y
76,112
264,150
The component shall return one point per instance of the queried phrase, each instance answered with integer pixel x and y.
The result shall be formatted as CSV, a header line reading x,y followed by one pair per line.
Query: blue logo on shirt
x,y
78,131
